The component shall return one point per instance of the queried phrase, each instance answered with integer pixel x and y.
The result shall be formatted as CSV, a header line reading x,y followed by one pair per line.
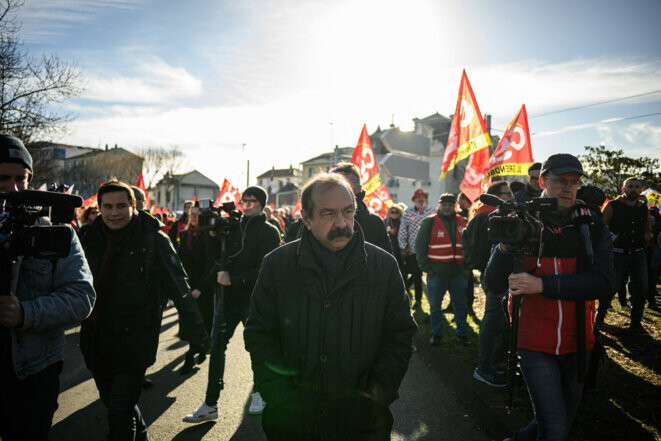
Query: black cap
x,y
562,163
13,150
258,192
447,197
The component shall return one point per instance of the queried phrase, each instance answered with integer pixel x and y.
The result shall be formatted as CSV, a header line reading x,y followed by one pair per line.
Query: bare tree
x,y
159,161
29,86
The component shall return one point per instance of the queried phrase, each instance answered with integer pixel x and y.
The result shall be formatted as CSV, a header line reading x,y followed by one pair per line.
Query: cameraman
x,y
559,287
47,297
248,243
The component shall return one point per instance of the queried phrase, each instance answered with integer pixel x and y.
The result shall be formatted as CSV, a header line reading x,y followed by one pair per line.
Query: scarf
x,y
102,283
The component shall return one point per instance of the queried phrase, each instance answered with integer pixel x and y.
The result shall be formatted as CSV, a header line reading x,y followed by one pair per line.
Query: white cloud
x,y
154,83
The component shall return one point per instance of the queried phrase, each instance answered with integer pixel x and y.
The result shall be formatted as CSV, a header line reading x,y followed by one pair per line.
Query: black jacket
x,y
199,259
249,242
475,241
145,265
526,194
314,352
373,228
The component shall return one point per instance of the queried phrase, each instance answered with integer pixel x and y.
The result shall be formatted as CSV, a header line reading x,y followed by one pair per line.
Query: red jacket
x,y
549,325
440,245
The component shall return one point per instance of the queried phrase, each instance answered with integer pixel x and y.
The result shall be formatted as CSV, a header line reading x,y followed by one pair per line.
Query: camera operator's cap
x,y
258,192
447,197
13,150
419,192
562,163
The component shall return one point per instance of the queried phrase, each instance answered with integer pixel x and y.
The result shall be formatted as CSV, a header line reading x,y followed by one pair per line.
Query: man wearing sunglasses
x,y
247,245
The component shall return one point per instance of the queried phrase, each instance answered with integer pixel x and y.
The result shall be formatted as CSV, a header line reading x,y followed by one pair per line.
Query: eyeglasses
x,y
573,184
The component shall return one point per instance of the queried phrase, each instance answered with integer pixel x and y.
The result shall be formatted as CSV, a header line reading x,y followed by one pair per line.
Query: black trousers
x,y
27,406
413,269
120,393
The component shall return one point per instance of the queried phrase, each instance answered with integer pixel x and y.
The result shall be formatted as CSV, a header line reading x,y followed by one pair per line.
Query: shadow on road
x,y
194,433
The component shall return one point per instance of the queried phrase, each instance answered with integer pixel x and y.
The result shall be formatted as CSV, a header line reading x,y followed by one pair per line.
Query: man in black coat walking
x,y
372,225
133,263
330,329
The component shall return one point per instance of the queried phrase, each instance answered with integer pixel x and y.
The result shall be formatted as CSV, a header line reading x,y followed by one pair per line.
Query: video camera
x,y
212,218
524,229
21,210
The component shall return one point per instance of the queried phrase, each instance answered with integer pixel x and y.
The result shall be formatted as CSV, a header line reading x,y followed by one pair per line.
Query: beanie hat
x,y
13,150
447,197
258,193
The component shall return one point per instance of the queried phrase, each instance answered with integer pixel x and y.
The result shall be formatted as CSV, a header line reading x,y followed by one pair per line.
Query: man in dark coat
x,y
330,329
372,225
532,188
247,245
133,263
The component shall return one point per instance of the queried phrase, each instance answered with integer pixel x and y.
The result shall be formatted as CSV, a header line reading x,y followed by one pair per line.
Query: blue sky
x,y
209,76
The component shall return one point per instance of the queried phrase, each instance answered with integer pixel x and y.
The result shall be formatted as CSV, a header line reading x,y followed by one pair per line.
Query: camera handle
x,y
512,356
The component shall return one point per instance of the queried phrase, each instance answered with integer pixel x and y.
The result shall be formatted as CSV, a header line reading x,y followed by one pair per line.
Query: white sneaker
x,y
257,404
202,413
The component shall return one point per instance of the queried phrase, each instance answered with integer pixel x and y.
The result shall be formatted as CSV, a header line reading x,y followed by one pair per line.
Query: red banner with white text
x,y
228,193
377,196
513,155
468,131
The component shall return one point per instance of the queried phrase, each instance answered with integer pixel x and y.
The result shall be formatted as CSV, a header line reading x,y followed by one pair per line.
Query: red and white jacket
x,y
549,325
440,247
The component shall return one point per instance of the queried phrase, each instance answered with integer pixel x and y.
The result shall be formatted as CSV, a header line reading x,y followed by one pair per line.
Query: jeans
x,y
226,318
27,406
492,327
414,270
120,393
555,393
636,265
436,289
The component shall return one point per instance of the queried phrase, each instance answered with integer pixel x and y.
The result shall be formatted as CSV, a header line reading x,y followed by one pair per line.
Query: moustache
x,y
340,232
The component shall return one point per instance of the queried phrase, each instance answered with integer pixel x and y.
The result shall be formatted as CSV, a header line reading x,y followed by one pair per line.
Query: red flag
x,y
468,131
296,209
272,206
228,193
195,198
513,155
91,201
141,185
376,194
604,204
476,168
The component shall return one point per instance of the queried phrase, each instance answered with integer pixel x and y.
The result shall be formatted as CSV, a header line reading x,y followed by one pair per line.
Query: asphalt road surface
x,y
426,409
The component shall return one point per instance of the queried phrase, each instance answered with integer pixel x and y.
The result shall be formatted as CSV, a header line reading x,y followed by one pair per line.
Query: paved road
x,y
426,410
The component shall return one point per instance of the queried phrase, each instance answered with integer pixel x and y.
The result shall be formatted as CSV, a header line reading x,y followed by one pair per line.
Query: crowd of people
x,y
324,299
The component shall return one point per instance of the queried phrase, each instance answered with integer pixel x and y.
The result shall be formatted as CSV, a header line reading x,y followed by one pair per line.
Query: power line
x,y
594,104
614,120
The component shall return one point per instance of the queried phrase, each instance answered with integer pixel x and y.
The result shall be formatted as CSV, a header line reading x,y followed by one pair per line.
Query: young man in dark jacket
x,y
532,188
477,250
330,329
560,283
372,225
133,263
248,243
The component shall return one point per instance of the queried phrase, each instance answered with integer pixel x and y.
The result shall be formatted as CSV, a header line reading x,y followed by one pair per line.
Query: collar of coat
x,y
306,256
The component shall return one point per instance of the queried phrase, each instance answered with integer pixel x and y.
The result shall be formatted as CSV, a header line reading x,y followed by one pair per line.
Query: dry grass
x,y
625,405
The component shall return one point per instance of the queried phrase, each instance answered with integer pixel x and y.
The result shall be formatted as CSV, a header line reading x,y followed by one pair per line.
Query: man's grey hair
x,y
323,181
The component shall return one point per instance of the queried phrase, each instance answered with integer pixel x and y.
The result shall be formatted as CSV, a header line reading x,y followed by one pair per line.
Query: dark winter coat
x,y
373,228
249,242
144,267
199,258
475,239
318,355
526,194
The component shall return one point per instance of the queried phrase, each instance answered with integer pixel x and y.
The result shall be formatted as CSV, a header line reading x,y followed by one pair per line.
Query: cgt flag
x,y
468,131
376,194
228,193
513,155
141,185
297,208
